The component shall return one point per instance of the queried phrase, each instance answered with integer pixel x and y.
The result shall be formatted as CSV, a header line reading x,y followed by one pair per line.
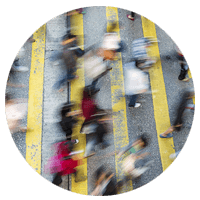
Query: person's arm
x,y
125,149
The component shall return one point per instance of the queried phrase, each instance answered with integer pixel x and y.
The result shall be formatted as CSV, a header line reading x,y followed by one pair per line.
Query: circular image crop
x,y
100,101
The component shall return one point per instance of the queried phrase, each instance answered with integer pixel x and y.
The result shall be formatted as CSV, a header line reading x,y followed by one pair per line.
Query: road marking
x,y
35,100
161,113
120,129
77,85
190,76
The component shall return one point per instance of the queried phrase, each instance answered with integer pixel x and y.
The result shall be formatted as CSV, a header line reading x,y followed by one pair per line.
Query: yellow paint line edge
x,y
120,129
77,85
35,100
190,76
161,113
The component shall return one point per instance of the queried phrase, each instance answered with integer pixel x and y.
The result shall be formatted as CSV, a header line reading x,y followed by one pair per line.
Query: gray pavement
x,y
138,120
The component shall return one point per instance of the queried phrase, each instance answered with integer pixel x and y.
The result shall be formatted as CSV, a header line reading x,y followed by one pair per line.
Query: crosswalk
x,y
124,127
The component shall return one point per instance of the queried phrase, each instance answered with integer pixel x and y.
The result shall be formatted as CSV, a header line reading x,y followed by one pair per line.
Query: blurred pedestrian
x,y
71,52
136,163
140,47
179,114
97,128
63,162
112,44
68,119
16,110
16,65
95,67
135,81
183,64
88,106
137,145
104,183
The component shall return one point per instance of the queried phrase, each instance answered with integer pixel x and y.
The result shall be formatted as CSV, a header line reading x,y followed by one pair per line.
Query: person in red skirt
x,y
63,162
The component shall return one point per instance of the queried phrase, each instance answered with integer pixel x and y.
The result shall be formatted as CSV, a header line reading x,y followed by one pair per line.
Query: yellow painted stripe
x,y
35,100
190,76
120,129
161,113
77,85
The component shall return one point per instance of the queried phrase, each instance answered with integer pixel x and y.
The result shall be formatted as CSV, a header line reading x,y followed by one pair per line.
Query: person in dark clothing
x,y
68,119
105,185
69,55
183,64
97,129
180,111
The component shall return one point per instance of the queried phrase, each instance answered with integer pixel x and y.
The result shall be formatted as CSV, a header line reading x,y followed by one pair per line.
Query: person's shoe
x,y
76,141
173,156
137,105
186,79
167,136
131,18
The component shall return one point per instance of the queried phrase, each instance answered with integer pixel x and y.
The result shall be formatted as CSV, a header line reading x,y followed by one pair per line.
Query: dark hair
x,y
8,96
68,36
145,138
139,61
66,107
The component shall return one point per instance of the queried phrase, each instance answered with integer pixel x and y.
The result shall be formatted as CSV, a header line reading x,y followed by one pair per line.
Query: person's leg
x,y
94,83
57,179
183,72
133,101
168,132
60,82
132,14
90,147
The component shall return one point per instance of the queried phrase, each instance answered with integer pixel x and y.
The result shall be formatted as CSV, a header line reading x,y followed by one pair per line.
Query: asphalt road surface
x,y
35,145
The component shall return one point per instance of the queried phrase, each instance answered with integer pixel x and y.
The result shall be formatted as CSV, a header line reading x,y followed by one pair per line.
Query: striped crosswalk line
x,y
161,113
35,100
76,21
120,129
190,76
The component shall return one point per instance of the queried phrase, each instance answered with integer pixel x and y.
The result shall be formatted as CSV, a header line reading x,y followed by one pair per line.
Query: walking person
x,y
71,52
136,163
140,47
184,66
136,82
179,116
16,110
88,106
99,130
104,183
68,119
63,162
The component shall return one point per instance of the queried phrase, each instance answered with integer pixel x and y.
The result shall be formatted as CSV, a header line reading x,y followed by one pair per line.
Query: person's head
x,y
8,97
87,92
66,107
140,62
143,140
